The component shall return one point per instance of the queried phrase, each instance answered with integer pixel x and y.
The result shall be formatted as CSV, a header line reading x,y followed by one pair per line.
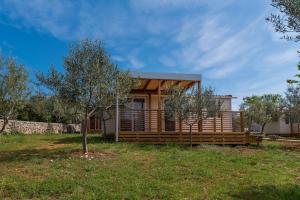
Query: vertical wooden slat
x,y
222,128
117,119
159,108
180,130
221,122
242,121
149,112
200,121
215,124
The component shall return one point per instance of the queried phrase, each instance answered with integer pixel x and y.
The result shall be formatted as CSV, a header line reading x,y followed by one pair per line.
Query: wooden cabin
x,y
144,120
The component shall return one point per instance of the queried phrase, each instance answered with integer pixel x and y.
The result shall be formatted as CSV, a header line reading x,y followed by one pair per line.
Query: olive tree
x,y
292,104
13,88
90,82
262,109
287,21
191,106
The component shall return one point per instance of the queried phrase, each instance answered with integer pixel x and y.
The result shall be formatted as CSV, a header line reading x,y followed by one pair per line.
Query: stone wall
x,y
28,127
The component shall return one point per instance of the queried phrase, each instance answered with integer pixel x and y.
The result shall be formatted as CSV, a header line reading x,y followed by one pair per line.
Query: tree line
x,y
271,107
261,110
89,84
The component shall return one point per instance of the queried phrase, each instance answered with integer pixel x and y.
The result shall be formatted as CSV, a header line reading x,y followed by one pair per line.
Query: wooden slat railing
x,y
156,121
184,138
149,126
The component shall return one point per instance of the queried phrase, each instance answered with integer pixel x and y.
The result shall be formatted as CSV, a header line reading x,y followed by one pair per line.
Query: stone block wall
x,y
28,127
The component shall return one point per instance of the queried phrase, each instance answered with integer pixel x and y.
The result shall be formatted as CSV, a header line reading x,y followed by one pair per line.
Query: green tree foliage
x,y
89,83
191,106
292,104
42,108
262,109
288,19
287,22
13,88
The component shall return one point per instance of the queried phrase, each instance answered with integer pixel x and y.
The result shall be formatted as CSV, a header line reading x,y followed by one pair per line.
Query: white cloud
x,y
167,61
212,44
171,5
70,20
135,62
227,69
282,57
201,38
118,58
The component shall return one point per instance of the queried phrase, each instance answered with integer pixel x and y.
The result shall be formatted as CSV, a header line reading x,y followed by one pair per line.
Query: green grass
x,y
50,167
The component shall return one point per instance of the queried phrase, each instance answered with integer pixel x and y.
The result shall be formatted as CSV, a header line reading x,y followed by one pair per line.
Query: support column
x,y
117,119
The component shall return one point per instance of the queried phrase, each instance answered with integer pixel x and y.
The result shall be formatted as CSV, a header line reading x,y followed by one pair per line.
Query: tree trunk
x,y
191,139
84,135
292,130
104,128
263,128
5,122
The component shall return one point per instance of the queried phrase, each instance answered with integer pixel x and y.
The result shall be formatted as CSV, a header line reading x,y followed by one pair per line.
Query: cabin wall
x,y
207,124
151,118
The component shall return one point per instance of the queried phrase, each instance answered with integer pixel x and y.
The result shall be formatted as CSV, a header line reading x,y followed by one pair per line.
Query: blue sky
x,y
228,42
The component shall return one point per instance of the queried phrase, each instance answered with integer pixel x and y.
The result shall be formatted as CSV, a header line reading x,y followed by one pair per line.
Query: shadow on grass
x,y
275,145
92,139
98,139
290,192
34,154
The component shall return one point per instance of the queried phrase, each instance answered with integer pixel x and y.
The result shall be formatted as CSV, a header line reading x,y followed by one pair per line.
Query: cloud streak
x,y
228,42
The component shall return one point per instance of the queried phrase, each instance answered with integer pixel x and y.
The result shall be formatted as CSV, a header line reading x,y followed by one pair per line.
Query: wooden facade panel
x,y
184,138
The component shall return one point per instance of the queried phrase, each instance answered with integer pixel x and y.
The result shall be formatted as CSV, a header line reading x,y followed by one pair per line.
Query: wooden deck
x,y
149,127
185,138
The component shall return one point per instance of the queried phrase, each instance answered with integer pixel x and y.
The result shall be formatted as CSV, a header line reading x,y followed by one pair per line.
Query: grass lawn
x,y
51,167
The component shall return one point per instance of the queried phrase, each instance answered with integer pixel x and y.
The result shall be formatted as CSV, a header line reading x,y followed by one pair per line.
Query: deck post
x,y
117,119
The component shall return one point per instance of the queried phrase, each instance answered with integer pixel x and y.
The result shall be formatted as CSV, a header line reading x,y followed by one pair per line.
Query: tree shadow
x,y
281,146
270,192
29,155
77,139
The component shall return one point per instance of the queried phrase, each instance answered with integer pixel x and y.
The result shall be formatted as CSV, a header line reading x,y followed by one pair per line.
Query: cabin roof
x,y
150,82
166,76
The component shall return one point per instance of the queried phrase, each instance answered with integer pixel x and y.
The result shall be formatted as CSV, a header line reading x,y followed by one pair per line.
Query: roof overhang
x,y
149,82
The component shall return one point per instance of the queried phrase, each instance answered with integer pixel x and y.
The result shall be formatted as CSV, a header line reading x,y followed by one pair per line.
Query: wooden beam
x,y
162,83
146,85
189,85
177,83
141,91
